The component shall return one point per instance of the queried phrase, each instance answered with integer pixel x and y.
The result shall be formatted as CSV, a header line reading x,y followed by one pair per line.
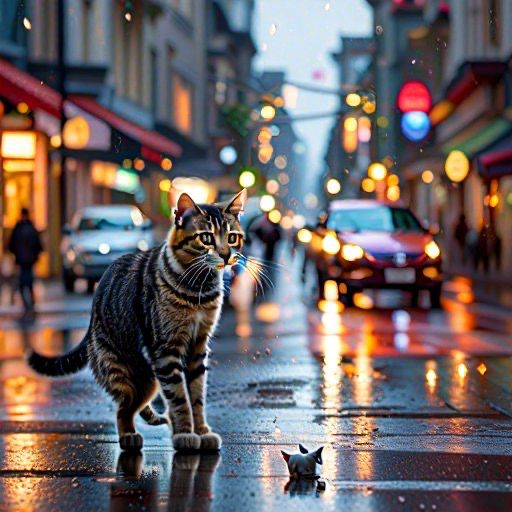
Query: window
x,y
154,81
384,219
182,104
184,7
128,56
492,21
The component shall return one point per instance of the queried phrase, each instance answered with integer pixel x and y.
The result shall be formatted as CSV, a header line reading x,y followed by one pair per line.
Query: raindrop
x,y
379,30
327,6
401,499
27,23
273,29
413,61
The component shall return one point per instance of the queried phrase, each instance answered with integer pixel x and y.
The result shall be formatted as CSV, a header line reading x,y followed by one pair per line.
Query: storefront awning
x,y
496,161
154,145
18,86
480,139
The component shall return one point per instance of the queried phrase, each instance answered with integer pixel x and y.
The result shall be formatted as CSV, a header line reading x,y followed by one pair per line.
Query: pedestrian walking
x,y
26,246
460,234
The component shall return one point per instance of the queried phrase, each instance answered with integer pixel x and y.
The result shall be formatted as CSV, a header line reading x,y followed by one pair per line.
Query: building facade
x,y
117,96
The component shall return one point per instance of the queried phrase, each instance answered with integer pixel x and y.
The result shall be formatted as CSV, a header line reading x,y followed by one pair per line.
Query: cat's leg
x,y
169,370
127,383
149,415
196,379
129,406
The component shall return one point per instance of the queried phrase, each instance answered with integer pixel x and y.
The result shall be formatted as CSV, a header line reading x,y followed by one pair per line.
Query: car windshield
x,y
383,219
118,223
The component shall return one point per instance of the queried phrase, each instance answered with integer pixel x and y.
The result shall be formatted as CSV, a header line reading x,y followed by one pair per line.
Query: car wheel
x,y
415,298
435,297
90,286
348,297
69,280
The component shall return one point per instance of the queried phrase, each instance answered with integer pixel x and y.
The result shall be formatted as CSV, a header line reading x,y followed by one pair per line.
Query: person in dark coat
x,y
26,246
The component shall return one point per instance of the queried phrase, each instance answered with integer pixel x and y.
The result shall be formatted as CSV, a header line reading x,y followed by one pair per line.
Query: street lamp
x,y
353,99
333,186
268,112
377,171
456,166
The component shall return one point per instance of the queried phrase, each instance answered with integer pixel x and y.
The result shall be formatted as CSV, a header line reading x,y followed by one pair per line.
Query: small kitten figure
x,y
303,464
153,315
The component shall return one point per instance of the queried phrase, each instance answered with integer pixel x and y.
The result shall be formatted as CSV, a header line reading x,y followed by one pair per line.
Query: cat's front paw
x,y
131,441
211,441
203,429
186,441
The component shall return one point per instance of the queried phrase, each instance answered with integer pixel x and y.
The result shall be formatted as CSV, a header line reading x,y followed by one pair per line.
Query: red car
x,y
370,244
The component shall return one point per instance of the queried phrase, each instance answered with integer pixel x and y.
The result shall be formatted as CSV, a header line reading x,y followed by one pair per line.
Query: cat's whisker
x,y
266,263
256,280
191,268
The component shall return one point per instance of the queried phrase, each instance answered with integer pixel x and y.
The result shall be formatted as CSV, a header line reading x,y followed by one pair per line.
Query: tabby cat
x,y
152,317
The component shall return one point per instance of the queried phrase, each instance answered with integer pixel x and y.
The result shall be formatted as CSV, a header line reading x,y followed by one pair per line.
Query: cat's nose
x,y
225,256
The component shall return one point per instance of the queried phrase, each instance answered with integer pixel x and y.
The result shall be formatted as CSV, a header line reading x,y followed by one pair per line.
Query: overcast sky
x,y
307,32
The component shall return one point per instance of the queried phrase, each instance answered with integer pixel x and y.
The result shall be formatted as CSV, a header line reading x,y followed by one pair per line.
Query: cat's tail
x,y
71,362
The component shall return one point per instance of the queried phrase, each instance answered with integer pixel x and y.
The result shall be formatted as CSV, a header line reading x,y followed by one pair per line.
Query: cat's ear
x,y
184,203
318,455
302,449
286,456
237,204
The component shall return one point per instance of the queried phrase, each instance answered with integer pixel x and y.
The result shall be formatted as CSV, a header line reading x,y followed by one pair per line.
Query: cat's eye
x,y
233,238
207,238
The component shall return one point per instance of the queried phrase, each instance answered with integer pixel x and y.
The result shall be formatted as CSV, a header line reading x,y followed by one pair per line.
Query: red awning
x,y
153,143
17,85
495,164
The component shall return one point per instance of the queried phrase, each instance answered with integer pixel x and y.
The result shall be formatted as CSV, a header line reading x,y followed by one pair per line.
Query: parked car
x,y
363,244
97,235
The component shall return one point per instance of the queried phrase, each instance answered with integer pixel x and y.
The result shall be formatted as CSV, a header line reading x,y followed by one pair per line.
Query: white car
x,y
98,235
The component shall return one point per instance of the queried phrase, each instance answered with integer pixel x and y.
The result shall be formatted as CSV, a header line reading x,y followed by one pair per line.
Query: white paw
x,y
211,441
188,441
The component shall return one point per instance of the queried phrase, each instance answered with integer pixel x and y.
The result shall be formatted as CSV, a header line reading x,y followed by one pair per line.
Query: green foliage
x,y
237,118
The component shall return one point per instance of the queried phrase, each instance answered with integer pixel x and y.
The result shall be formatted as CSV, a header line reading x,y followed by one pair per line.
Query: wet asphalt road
x,y
413,407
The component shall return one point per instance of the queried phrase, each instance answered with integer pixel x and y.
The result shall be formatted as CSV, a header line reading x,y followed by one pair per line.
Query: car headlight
x,y
103,248
330,244
142,245
352,252
432,250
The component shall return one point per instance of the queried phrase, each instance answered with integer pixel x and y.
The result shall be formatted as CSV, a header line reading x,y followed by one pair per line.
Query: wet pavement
x,y
413,408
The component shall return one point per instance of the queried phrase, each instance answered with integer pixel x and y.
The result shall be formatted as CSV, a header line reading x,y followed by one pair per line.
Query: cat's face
x,y
208,233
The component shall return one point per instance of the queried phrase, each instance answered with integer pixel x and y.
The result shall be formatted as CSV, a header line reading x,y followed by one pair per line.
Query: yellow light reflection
x,y
330,306
481,369
363,301
331,290
462,370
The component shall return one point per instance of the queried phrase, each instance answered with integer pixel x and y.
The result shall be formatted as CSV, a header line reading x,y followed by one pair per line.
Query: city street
x,y
412,406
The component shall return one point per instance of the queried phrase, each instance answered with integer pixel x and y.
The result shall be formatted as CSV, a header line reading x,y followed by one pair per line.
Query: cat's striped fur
x,y
152,317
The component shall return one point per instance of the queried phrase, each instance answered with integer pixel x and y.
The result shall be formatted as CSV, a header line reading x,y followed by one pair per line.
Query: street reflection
x,y
142,485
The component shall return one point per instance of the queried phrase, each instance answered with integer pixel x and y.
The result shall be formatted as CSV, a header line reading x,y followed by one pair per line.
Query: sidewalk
x,y
50,299
493,289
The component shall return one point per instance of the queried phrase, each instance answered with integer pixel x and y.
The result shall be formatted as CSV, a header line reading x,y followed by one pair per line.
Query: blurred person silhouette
x,y
472,247
460,234
26,246
269,233
484,248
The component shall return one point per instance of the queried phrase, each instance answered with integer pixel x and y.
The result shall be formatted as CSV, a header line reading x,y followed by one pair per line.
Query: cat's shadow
x,y
190,485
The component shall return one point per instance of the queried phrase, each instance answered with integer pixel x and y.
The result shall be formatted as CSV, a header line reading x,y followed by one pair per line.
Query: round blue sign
x,y
415,125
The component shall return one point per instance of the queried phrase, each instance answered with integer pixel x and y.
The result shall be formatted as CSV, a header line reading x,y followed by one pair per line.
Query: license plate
x,y
399,275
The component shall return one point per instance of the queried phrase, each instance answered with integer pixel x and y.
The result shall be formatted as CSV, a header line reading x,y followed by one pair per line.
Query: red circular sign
x,y
414,96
